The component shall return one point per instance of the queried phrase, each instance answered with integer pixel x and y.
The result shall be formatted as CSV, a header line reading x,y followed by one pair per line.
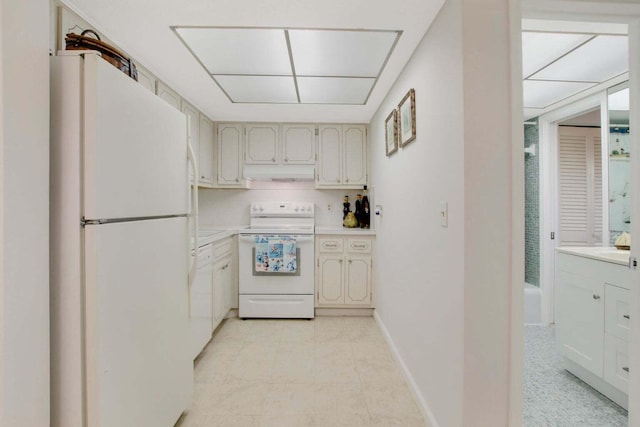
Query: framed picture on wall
x,y
391,132
407,119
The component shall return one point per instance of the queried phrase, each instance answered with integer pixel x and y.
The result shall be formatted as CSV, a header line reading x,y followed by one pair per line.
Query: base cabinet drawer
x,y
616,362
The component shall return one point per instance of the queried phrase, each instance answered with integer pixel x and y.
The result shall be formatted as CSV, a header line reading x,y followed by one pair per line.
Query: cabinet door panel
x,y
616,362
330,155
229,154
205,151
167,94
261,144
146,79
331,290
357,289
218,293
298,144
580,318
193,125
617,318
355,155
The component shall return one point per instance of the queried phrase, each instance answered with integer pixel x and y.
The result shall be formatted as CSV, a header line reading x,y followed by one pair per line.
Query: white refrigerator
x,y
119,240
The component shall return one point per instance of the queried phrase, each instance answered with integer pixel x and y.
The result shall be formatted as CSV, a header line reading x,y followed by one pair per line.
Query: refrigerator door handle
x,y
194,210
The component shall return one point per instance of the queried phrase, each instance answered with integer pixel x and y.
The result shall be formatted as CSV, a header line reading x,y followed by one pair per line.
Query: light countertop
x,y
606,254
345,231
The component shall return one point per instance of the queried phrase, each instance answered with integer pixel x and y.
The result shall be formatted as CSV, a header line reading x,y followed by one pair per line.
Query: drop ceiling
x,y
341,59
294,66
563,60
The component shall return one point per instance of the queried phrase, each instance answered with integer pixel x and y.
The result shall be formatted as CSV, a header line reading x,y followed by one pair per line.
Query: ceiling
x,y
561,60
291,65
145,30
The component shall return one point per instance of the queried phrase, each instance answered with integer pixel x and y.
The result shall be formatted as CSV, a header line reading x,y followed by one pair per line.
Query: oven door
x,y
256,282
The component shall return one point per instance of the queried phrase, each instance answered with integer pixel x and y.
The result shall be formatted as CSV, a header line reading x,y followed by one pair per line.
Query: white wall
x,y
231,207
444,294
25,201
420,285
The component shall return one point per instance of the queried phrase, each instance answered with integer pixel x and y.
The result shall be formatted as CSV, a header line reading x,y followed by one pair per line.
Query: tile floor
x,y
331,371
555,398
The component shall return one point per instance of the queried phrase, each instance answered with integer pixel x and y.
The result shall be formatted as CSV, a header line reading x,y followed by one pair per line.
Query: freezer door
x,y
135,148
139,370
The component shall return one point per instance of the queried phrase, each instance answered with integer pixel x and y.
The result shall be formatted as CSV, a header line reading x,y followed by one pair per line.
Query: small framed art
x,y
407,119
391,132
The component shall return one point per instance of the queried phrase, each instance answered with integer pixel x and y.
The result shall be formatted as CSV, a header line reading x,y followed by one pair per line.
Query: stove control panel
x,y
282,209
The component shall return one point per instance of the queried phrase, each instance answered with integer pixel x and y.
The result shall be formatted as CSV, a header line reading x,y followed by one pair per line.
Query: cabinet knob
x,y
350,261
596,296
273,159
338,180
346,180
286,159
237,179
340,261
626,369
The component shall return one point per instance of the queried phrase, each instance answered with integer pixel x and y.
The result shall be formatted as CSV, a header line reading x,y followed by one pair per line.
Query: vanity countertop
x,y
606,254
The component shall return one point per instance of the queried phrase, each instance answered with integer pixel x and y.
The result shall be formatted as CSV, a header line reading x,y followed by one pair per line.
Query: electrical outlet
x,y
330,207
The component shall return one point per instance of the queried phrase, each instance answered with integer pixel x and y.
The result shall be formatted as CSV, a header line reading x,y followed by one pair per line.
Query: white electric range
x,y
276,261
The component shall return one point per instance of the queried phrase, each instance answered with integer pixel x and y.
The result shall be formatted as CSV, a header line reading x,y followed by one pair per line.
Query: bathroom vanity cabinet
x,y
592,317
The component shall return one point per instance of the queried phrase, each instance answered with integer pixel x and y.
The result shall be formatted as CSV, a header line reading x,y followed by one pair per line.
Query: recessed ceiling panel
x,y
540,94
239,50
340,53
259,89
600,59
540,49
333,90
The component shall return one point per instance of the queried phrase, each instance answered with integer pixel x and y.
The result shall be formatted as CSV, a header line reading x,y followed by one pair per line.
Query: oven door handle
x,y
298,238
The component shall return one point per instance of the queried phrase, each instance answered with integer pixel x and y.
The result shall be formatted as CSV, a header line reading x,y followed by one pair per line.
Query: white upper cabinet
x,y
298,144
329,156
261,143
194,130
229,161
206,151
355,155
146,79
169,95
342,156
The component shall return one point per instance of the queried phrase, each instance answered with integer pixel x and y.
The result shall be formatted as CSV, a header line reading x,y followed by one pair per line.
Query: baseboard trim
x,y
422,404
365,312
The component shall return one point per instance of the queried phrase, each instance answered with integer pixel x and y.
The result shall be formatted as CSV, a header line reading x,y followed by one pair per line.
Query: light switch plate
x,y
444,214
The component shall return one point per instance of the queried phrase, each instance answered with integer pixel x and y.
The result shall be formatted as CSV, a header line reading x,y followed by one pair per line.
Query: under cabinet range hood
x,y
279,172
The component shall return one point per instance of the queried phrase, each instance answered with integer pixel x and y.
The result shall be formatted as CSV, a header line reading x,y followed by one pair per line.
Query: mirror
x,y
619,165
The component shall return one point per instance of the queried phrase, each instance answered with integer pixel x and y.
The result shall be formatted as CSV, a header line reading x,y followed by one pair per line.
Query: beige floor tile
x,y
241,398
290,399
390,401
287,420
332,371
385,421
330,419
340,399
213,420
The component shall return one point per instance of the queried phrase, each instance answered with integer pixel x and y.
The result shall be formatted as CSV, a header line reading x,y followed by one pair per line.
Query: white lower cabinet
x,y
592,322
343,271
221,280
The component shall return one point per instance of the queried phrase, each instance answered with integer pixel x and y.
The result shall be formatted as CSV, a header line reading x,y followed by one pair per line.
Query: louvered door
x,y
580,186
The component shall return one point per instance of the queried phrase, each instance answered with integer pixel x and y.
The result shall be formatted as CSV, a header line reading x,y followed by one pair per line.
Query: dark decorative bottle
x,y
365,216
346,205
358,211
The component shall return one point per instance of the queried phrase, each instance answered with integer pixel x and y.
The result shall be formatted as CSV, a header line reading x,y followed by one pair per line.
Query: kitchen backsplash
x,y
231,207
